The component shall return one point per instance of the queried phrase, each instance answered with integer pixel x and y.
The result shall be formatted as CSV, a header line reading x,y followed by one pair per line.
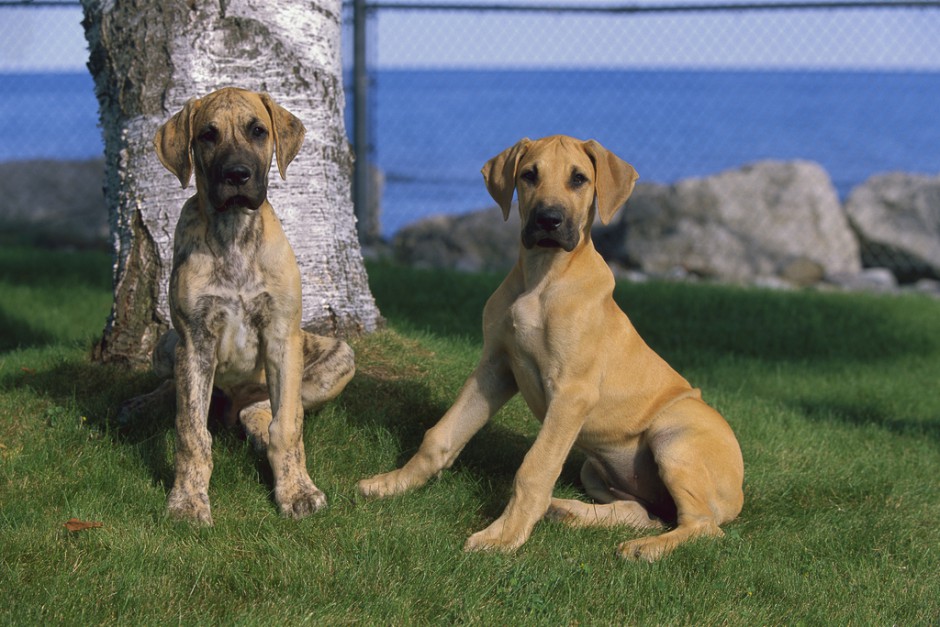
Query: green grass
x,y
833,397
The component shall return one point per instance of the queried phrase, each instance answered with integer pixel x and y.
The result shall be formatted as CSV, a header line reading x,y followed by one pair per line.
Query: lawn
x,y
833,398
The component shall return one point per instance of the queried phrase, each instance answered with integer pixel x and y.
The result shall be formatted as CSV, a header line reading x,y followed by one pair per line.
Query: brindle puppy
x,y
235,300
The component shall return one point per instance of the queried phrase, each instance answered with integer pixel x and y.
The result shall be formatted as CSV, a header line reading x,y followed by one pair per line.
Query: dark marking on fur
x,y
260,311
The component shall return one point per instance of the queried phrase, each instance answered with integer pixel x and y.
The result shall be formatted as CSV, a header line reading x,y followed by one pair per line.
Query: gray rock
x,y
802,272
57,203
472,242
869,280
757,221
897,219
927,286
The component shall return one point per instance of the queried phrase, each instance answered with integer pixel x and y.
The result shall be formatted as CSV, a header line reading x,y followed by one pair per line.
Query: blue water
x,y
49,115
433,130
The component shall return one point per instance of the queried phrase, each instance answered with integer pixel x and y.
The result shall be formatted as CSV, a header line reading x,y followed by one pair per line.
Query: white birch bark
x,y
148,57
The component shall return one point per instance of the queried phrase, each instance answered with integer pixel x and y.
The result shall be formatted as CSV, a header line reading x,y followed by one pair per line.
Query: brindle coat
x,y
552,331
235,300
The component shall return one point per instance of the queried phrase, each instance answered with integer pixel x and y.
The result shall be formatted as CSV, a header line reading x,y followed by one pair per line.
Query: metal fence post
x,y
361,202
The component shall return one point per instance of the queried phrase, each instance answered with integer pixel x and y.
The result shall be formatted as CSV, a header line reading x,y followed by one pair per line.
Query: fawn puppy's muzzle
x,y
550,226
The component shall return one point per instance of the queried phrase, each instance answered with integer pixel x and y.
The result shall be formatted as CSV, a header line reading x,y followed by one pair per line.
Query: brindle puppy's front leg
x,y
532,486
189,498
294,492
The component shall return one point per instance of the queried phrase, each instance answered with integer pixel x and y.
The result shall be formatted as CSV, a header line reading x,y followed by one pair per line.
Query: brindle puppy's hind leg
x,y
329,364
252,408
160,396
164,357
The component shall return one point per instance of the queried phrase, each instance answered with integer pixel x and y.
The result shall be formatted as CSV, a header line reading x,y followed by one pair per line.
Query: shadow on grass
x,y
404,406
410,408
702,321
53,273
19,333
863,414
22,265
98,392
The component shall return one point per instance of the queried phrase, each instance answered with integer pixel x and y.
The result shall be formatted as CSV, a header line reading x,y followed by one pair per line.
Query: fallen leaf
x,y
74,524
27,370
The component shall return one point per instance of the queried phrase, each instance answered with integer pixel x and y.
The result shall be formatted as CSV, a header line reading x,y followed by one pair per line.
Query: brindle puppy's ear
x,y
499,173
288,133
614,179
173,140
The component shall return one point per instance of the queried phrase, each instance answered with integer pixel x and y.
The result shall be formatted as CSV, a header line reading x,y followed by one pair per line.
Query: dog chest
x,y
525,350
234,324
526,319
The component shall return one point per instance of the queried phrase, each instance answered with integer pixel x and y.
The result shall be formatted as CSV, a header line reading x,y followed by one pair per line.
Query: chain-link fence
x,y
679,90
47,101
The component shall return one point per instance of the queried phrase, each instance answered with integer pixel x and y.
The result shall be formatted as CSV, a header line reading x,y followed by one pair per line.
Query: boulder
x,y
473,242
897,219
56,203
868,280
768,219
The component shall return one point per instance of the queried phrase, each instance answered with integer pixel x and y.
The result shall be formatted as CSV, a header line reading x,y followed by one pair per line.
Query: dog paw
x,y
653,548
495,538
380,486
256,421
643,550
129,409
301,500
125,414
259,442
567,512
191,507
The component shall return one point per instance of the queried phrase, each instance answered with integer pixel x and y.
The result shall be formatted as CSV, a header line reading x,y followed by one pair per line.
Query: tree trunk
x,y
148,57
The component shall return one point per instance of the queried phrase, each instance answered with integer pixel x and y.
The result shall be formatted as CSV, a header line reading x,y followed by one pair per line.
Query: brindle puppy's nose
x,y
549,219
236,174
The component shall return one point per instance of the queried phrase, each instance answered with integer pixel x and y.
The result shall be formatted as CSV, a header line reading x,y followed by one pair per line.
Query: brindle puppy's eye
x,y
578,179
258,131
530,176
209,135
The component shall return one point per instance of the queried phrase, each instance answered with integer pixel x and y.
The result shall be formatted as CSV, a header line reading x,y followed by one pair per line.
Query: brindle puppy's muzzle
x,y
550,227
238,180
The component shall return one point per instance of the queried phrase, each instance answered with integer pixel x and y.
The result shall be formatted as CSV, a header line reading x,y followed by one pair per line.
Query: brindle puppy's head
x,y
230,137
560,180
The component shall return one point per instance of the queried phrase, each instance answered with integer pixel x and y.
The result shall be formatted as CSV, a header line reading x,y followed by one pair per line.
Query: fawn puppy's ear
x,y
499,173
614,180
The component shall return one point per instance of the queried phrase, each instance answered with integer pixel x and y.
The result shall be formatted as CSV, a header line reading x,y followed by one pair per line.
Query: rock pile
x,y
764,220
55,202
769,223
